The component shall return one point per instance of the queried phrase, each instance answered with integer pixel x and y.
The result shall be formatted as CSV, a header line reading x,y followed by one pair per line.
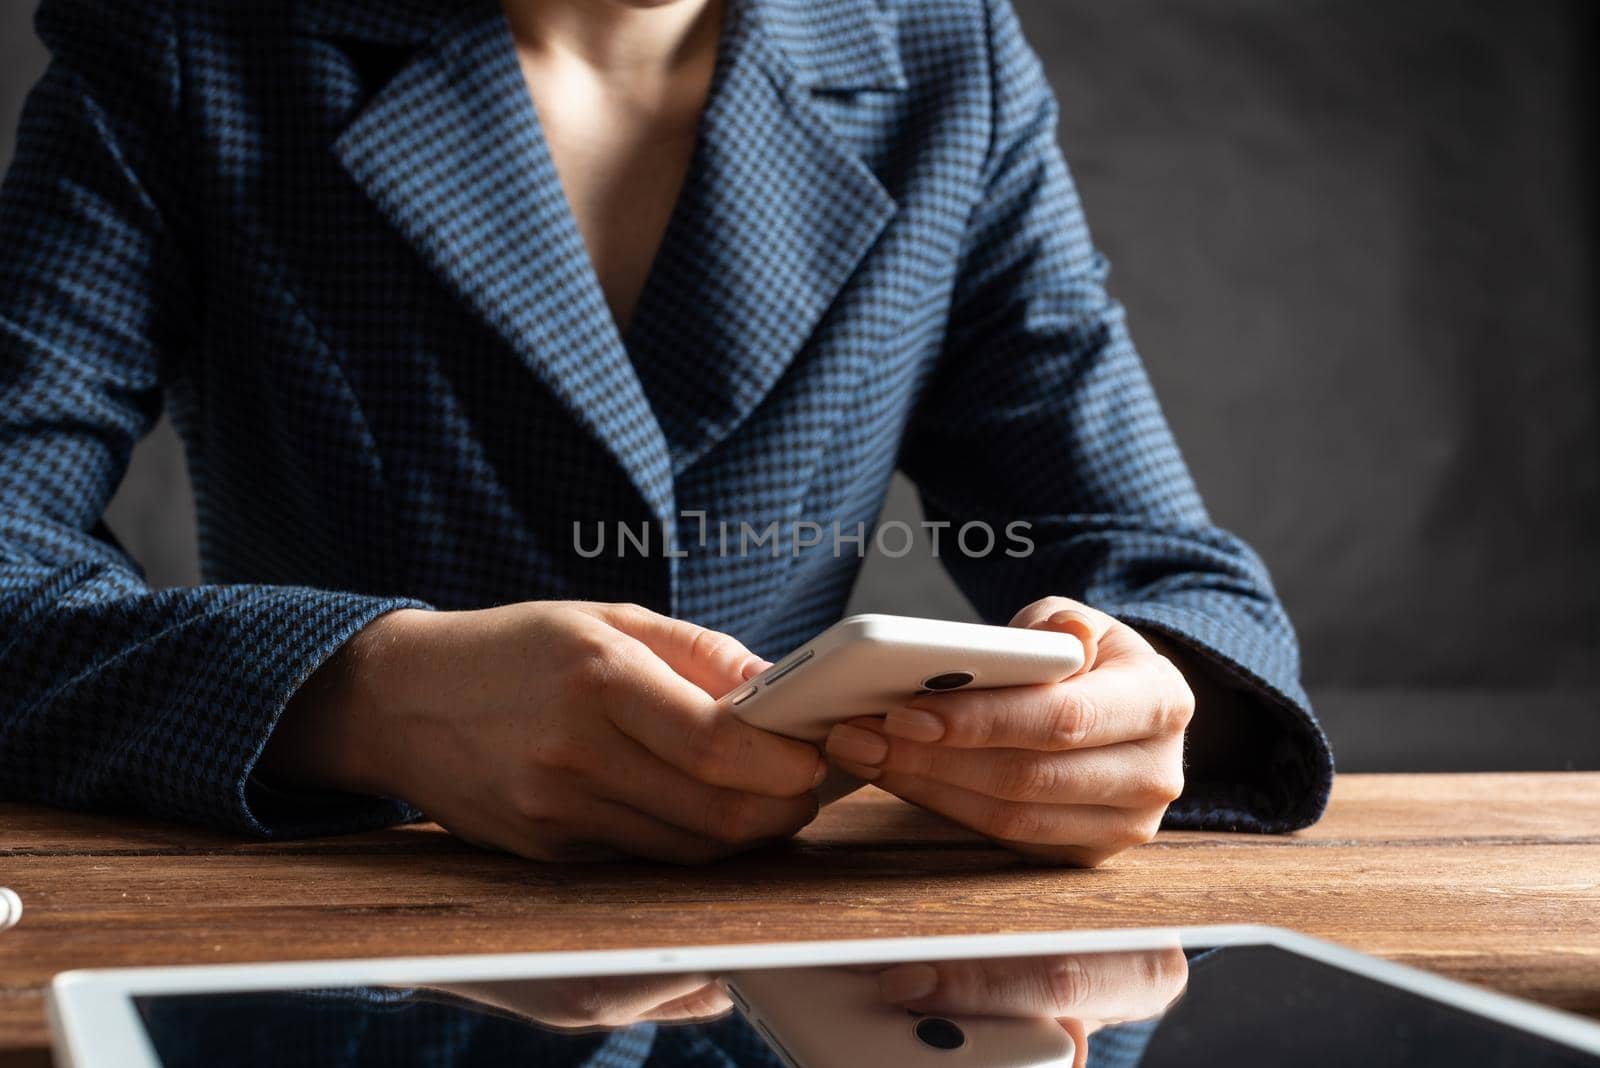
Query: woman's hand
x,y
1072,773
557,730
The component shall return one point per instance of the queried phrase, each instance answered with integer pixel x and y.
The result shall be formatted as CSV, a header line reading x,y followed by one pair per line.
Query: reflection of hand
x,y
1083,991
1072,772
606,1001
557,730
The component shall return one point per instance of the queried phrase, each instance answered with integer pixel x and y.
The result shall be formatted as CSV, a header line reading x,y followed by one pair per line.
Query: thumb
x,y
1068,617
714,661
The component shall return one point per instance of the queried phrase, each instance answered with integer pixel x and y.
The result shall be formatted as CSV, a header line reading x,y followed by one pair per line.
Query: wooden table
x,y
1494,879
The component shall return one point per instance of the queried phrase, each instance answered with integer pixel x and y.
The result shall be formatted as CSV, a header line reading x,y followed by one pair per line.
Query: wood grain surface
x,y
1493,879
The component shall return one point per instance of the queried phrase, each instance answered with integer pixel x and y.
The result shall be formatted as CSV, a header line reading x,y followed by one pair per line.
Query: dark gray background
x,y
1356,242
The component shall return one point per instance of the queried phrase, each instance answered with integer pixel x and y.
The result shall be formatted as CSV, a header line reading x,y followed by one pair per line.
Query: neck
x,y
623,39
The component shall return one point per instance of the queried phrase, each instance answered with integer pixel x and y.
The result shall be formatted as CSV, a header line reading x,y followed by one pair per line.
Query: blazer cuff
x,y
1289,790
327,621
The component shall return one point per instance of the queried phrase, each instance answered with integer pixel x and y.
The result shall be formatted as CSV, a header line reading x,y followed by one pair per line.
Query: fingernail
x,y
908,982
1075,622
753,667
821,773
914,724
857,745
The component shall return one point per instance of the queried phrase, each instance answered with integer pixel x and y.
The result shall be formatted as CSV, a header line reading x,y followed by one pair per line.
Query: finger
x,y
1070,621
598,829
1068,616
504,833
679,724
701,1004
638,834
1124,986
713,661
603,1001
1113,703
1125,775
1084,835
1105,639
637,778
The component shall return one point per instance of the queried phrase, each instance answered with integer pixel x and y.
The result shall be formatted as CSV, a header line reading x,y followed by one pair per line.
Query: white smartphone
x,y
834,1018
865,665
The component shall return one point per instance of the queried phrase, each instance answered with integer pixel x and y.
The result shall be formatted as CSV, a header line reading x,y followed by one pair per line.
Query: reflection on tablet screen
x,y
1239,1005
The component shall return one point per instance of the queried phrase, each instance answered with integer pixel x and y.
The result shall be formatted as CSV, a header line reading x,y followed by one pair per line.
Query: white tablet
x,y
1240,996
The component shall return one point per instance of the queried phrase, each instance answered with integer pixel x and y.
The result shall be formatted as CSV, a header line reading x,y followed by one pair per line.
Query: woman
x,y
431,287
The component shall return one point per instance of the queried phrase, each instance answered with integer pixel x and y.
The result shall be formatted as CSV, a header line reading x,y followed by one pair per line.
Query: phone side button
x,y
738,998
743,695
777,1047
783,669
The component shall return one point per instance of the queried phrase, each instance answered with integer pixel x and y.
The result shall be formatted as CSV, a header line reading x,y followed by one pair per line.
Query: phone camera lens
x,y
950,680
938,1033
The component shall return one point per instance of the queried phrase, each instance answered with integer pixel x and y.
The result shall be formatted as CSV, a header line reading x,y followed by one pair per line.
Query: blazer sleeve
x,y
1040,412
112,694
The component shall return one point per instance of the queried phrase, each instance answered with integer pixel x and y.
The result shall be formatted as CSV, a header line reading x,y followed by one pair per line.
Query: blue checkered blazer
x,y
327,236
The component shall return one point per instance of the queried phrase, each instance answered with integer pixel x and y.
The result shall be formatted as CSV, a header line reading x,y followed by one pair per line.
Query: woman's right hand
x,y
560,730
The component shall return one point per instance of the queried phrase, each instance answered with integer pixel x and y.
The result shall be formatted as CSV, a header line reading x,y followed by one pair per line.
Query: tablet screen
x,y
1242,1005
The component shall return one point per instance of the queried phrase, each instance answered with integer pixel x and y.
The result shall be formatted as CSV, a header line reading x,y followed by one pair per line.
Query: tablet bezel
x,y
95,1024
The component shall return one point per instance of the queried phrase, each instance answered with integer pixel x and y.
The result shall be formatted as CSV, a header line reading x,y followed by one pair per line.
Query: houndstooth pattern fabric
x,y
389,1028
328,237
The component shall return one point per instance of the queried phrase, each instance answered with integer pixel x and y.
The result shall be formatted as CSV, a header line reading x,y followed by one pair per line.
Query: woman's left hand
x,y
1068,773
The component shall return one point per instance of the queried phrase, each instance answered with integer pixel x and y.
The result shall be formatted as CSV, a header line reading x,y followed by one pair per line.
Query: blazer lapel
x,y
451,152
772,221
